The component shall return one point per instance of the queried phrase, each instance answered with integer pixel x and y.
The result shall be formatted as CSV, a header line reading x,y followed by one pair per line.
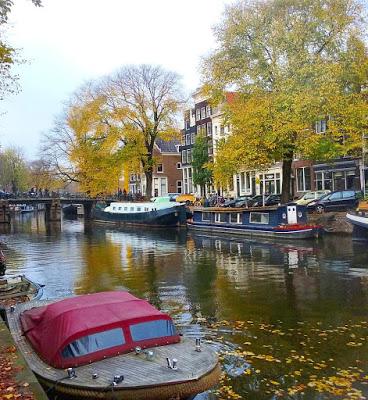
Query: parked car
x,y
5,195
236,201
243,201
269,200
310,196
336,201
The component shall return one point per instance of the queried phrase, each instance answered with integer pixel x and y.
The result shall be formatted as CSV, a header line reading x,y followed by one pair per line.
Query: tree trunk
x,y
286,178
149,175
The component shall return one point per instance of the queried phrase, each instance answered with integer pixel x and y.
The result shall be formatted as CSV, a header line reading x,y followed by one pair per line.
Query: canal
x,y
289,319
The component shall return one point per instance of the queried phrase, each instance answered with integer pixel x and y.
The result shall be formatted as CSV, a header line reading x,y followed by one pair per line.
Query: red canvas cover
x,y
50,328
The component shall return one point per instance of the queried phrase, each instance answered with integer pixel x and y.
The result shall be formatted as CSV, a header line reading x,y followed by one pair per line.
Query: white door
x,y
291,214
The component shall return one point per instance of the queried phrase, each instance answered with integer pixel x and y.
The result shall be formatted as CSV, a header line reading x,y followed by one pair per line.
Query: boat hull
x,y
306,233
18,289
143,379
360,225
173,216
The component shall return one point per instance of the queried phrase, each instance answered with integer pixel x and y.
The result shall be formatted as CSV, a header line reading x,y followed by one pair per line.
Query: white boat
x,y
130,213
359,220
25,208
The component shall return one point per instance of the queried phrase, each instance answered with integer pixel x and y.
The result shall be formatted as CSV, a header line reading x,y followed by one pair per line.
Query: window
x,y
113,208
192,138
152,330
178,165
235,218
208,111
184,157
303,179
259,218
146,209
125,208
187,124
220,217
160,168
335,196
119,208
222,130
203,112
187,138
206,216
348,195
131,208
163,187
321,126
270,183
198,114
139,208
179,186
189,156
215,129
323,180
95,342
209,128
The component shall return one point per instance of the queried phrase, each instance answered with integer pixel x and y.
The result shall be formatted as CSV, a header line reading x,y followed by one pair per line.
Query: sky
x,y
68,42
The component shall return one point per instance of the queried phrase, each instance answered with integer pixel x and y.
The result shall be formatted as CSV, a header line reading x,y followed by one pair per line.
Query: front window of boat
x,y
152,330
95,342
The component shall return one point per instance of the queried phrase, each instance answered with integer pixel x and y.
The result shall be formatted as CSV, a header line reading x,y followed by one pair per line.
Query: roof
x,y
51,327
167,146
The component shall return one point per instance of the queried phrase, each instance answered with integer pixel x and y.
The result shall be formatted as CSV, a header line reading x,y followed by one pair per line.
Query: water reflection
x,y
199,279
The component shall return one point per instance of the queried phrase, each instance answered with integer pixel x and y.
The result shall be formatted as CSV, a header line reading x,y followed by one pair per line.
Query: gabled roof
x,y
167,146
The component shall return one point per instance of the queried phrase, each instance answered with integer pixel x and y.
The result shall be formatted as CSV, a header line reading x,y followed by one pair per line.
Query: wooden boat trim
x,y
34,290
138,372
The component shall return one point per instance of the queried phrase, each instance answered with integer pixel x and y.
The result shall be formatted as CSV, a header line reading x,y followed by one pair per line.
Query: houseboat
x,y
157,214
110,345
285,221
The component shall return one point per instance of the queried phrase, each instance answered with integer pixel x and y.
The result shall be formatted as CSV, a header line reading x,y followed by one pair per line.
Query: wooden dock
x,y
16,377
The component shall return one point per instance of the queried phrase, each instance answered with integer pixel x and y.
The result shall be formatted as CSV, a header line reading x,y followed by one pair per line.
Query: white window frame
x,y
203,112
209,214
198,114
238,218
263,215
178,165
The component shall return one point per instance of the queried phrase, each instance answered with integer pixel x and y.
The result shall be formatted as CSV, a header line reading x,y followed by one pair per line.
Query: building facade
x,y
167,173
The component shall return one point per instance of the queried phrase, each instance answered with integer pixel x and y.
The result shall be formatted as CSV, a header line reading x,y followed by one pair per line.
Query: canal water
x,y
289,319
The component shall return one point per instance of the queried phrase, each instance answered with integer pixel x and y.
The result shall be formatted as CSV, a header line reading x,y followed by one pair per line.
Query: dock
x,y
16,378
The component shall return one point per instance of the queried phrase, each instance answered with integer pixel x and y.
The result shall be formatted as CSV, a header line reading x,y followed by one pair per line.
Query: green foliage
x,y
14,174
292,62
202,174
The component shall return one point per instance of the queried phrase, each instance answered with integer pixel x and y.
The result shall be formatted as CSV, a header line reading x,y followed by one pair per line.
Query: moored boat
x,y
285,221
129,213
113,346
359,220
17,289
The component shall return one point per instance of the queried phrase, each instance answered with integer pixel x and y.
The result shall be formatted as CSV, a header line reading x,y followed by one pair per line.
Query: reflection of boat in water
x,y
15,289
26,208
286,221
156,214
359,220
73,210
132,352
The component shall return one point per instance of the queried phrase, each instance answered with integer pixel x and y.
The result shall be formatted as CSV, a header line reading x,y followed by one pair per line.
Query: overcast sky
x,y
67,42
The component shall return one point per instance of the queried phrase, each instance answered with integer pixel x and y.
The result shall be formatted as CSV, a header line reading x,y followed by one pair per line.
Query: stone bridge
x,y
53,206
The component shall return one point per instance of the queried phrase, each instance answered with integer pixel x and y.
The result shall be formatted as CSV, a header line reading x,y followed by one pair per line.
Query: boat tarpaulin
x,y
87,328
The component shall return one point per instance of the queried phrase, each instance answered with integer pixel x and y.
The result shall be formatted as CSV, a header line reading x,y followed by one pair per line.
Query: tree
x,y
112,125
43,176
8,55
292,62
202,174
13,170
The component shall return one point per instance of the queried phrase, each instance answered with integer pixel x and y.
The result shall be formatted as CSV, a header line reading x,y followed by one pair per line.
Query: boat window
x,y
119,208
113,207
206,216
145,208
235,218
152,330
131,208
220,217
139,208
259,218
95,342
125,208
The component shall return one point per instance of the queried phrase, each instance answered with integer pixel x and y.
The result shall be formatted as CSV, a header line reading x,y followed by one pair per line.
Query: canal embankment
x,y
17,381
332,222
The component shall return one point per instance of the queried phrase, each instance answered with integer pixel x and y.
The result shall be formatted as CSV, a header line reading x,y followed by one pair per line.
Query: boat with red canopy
x,y
113,345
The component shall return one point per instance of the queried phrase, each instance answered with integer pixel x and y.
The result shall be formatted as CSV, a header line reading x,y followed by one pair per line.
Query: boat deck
x,y
136,369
